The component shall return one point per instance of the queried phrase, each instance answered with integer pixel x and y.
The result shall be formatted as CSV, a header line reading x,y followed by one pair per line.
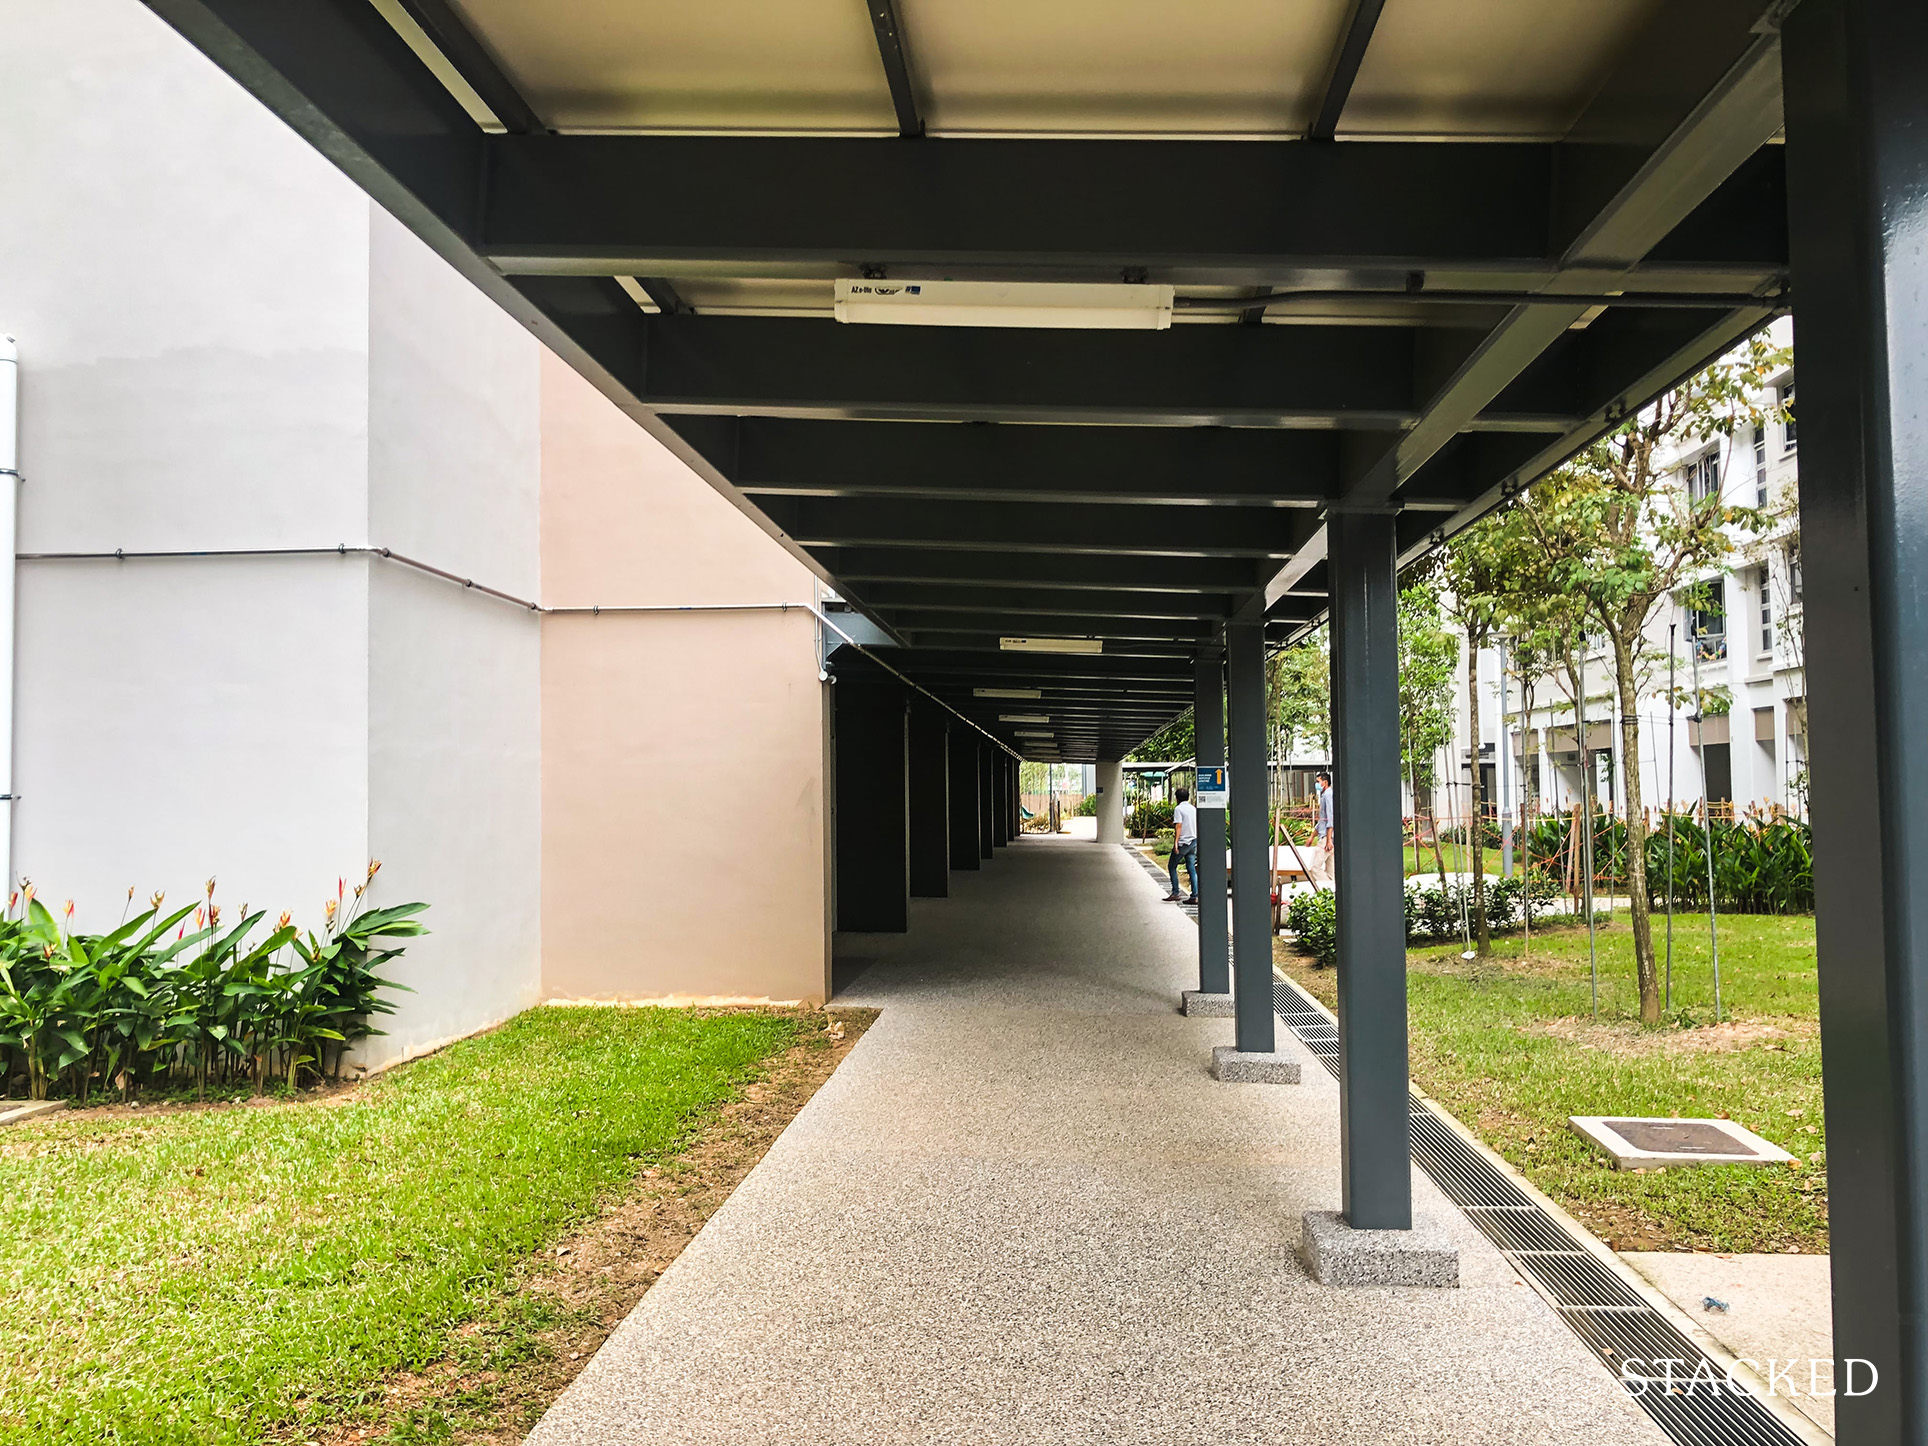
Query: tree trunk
x,y
1638,905
1476,825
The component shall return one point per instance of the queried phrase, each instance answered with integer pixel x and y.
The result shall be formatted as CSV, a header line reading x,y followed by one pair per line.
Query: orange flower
x,y
282,922
214,916
156,897
210,888
28,891
68,908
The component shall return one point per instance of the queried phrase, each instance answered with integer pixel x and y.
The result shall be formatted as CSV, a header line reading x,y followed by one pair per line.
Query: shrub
x,y
1087,806
1435,911
1148,816
206,1006
1763,863
1314,920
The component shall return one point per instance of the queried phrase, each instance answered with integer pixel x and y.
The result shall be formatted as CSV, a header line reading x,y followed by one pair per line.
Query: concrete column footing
x,y
1236,1066
1336,1254
1197,1004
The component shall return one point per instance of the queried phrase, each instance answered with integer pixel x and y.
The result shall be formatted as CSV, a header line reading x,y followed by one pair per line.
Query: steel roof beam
x,y
861,565
1046,527
1273,376
1354,37
1048,602
895,54
1719,131
992,462
1229,212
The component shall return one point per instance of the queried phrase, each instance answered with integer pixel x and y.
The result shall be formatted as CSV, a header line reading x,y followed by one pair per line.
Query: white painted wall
x,y
454,720
189,283
225,345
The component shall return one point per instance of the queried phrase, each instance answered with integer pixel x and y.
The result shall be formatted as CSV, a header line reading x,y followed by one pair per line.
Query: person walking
x,y
1184,847
1322,830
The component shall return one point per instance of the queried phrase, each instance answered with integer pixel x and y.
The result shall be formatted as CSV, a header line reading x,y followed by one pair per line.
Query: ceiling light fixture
x,y
1006,693
1032,733
1051,645
1108,306
1024,717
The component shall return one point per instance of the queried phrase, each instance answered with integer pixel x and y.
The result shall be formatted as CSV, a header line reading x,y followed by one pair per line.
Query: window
x,y
1760,465
1703,476
1707,624
1787,417
1767,614
1794,572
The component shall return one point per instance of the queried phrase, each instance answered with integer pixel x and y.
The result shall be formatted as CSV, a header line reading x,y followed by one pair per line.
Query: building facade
x,y
251,403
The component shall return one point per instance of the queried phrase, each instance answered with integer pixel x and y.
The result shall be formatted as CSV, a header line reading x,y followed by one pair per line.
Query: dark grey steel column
x,y
1208,726
930,801
964,810
873,807
1251,870
1375,1151
986,799
1855,78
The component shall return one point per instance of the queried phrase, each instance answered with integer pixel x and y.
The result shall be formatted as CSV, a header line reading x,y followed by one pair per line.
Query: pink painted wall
x,y
683,773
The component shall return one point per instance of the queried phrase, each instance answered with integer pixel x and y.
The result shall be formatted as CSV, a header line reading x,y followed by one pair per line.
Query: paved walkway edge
x,y
1785,1411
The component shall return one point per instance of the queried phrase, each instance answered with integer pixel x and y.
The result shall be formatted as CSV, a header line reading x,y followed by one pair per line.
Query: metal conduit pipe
x,y
9,522
387,554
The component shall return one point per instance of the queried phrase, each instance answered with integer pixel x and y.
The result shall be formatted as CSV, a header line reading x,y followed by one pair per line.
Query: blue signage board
x,y
1214,786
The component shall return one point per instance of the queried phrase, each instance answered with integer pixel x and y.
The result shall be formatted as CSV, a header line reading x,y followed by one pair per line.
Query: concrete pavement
x,y
1023,1211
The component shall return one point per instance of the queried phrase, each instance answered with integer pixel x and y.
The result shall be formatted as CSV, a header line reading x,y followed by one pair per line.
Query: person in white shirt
x,y
1322,830
1184,847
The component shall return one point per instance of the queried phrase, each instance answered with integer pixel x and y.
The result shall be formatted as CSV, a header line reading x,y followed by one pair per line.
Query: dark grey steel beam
x,y
1375,1158
475,64
1228,213
1149,575
895,54
1857,142
1354,37
991,462
917,623
1208,712
1488,469
1041,527
1050,602
1194,376
1717,134
1250,819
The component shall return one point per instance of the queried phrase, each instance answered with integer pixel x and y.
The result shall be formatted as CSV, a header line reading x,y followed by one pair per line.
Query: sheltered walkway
x,y
1023,1211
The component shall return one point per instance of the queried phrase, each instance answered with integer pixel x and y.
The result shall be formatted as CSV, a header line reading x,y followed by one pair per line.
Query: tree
x,y
1299,692
1427,656
1174,743
1474,568
1619,533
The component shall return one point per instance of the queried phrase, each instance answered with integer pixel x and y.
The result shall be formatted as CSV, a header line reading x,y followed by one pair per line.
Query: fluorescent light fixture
x,y
1032,733
1024,717
1006,693
1051,645
1104,305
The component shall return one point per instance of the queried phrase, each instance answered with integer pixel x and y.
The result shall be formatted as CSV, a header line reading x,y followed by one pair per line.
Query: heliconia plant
x,y
156,1002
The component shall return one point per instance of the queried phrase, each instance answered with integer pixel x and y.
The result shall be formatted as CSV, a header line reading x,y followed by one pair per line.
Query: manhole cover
x,y
1654,1143
1676,1137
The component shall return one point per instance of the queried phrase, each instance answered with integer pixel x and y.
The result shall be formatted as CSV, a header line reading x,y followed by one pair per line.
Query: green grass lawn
x,y
1510,1046
222,1276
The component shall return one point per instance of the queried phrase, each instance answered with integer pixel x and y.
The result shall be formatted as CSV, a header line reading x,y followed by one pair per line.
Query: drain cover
x,y
1652,1142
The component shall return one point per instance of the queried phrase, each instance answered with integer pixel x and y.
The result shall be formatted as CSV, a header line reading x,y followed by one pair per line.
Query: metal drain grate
x,y
1601,1308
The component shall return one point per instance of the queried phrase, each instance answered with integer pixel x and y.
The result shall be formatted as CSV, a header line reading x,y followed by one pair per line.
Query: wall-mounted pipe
x,y
120,554
9,520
